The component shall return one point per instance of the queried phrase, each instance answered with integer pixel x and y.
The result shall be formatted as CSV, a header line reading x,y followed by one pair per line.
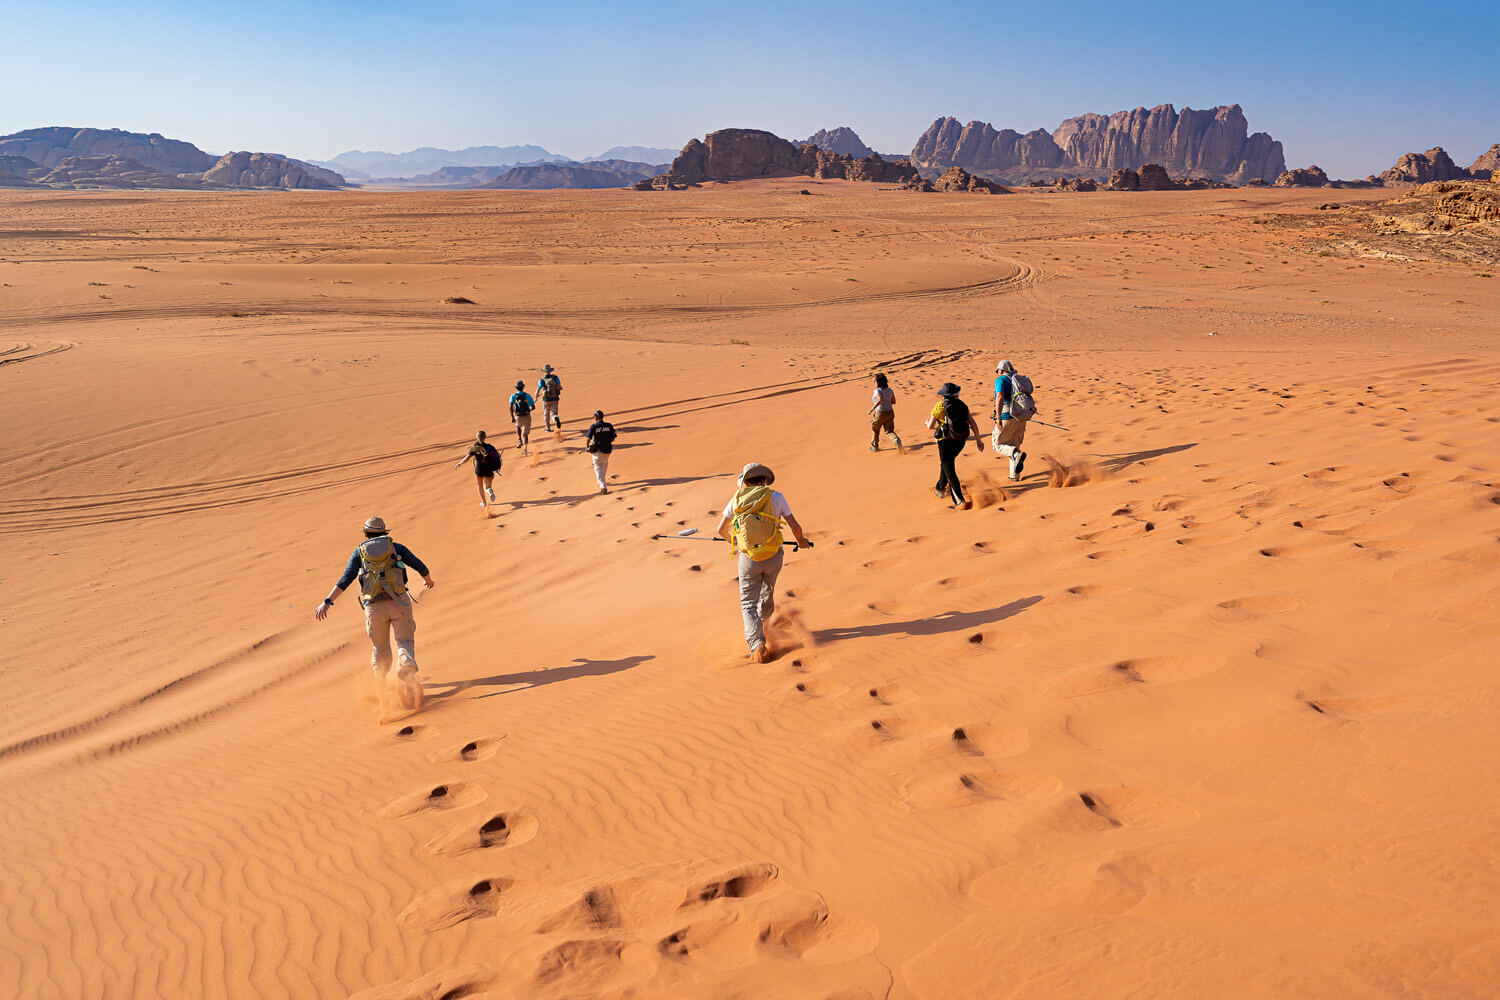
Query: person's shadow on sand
x,y
948,621
580,667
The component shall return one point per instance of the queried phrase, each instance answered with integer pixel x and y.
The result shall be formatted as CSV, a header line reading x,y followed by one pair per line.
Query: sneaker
x,y
940,494
491,492
1020,464
761,654
603,490
873,448
966,505
483,503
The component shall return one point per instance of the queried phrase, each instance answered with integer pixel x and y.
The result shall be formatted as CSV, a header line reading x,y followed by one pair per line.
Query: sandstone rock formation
x,y
1213,143
269,170
597,174
1125,179
839,140
959,179
1487,164
18,171
1423,168
735,154
1075,184
50,146
1154,177
1312,176
109,172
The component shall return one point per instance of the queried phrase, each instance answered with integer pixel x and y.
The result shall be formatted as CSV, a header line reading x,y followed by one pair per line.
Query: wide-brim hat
x,y
375,524
755,471
949,389
546,368
1006,367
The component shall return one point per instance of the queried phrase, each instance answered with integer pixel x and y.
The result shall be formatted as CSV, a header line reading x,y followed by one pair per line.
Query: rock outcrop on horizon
x,y
269,170
1213,143
48,147
959,179
737,154
1486,165
110,172
839,140
1424,168
594,175
1302,177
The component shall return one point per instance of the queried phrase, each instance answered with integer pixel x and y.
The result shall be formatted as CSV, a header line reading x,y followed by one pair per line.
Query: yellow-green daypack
x,y
381,573
755,528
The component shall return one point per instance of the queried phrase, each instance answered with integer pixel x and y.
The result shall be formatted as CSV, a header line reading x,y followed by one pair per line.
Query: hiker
x,y
380,564
600,442
752,526
486,458
951,424
521,405
883,413
549,391
1013,408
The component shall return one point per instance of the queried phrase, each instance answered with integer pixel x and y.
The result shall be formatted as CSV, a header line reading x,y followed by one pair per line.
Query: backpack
x,y
552,388
381,573
520,403
955,425
1022,406
756,531
491,457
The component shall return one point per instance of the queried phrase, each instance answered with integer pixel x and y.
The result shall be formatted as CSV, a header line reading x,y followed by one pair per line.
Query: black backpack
x,y
520,404
491,457
955,425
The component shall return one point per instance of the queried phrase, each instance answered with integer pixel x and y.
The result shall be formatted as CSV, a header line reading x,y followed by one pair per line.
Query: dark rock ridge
x,y
1214,144
1423,168
269,170
598,174
111,158
839,140
1312,176
736,154
959,179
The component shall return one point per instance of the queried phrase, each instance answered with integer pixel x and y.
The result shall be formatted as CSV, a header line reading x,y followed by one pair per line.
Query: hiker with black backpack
x,y
486,459
599,442
521,405
1014,406
380,564
549,391
952,424
752,526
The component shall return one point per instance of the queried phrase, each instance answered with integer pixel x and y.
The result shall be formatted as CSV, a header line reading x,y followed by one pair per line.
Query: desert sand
x,y
1203,707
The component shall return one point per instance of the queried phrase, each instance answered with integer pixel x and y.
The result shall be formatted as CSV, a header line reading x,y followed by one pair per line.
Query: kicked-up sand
x,y
1204,706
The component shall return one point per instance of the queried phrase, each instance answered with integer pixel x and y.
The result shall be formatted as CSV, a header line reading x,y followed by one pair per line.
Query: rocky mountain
x,y
735,154
48,147
363,164
1422,168
839,140
1487,165
634,154
1213,143
598,174
959,179
269,170
1312,176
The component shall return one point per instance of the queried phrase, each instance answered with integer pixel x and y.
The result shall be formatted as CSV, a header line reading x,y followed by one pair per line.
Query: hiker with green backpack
x,y
752,525
521,405
952,424
380,564
1014,406
549,391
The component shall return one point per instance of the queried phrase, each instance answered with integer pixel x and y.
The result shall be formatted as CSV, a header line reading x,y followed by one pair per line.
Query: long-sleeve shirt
x,y
351,569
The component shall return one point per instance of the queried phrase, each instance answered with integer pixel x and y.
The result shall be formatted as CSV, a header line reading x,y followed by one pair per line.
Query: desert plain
x,y
1204,706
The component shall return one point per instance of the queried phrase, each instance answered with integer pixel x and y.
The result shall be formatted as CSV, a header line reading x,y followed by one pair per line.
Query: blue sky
x,y
1348,86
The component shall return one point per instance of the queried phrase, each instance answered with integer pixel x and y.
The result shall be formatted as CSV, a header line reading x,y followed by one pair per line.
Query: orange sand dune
x,y
1203,706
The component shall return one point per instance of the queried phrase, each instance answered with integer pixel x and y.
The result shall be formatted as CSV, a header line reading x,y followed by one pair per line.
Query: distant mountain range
x,y
418,166
593,174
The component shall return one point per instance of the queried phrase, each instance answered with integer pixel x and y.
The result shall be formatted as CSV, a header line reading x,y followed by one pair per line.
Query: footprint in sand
x,y
479,749
1096,590
977,786
890,694
507,829
987,739
814,688
453,795
413,732
453,905
1258,605
445,984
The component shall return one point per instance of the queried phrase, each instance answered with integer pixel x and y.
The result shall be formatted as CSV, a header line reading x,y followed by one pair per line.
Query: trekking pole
x,y
1045,424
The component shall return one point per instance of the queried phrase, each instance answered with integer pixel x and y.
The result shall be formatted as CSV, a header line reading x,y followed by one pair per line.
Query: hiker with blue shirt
x,y
380,563
1013,408
549,391
521,405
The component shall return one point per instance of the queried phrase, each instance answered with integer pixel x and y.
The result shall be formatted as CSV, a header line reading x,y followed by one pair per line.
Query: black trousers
x,y
948,475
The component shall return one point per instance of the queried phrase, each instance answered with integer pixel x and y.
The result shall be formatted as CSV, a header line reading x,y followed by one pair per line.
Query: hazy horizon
x,y
1349,87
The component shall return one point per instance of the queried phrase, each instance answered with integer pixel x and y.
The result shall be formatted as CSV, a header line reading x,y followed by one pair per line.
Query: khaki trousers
x,y
523,430
549,412
758,595
601,468
382,618
1007,437
883,419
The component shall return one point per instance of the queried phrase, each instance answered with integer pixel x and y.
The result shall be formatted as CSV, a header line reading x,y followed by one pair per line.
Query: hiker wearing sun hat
x,y
1014,406
521,405
952,424
752,525
380,564
549,391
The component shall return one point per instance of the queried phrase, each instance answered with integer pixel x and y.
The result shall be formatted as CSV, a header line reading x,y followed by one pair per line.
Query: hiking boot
x,y
761,654
1020,464
966,505
940,494
874,448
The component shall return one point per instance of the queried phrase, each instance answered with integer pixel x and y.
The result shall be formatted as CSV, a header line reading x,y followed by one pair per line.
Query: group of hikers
x,y
751,522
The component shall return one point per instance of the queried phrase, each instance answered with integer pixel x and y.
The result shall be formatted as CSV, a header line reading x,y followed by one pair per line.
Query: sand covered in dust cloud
x,y
1203,706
